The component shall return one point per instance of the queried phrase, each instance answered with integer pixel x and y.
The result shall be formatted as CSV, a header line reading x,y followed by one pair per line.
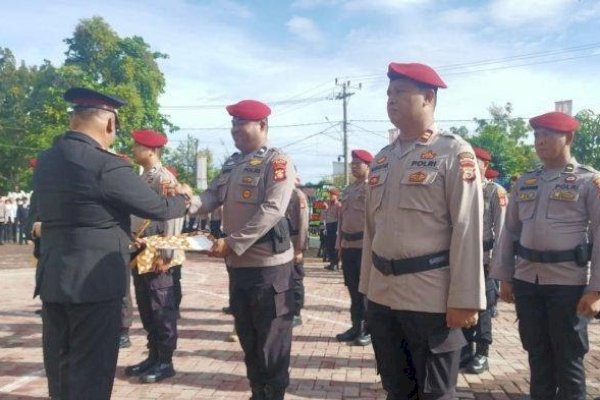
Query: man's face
x,y
141,153
359,168
248,136
483,166
549,144
405,102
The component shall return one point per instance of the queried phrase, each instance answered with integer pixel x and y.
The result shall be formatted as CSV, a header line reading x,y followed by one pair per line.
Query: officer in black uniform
x,y
86,196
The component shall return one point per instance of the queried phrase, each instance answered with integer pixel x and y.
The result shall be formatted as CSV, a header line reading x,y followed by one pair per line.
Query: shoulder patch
x,y
279,169
502,199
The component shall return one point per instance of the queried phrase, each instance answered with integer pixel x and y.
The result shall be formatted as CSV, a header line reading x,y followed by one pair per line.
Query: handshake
x,y
182,189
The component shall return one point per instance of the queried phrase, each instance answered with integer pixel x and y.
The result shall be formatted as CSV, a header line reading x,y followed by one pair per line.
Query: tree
x,y
586,146
184,159
504,136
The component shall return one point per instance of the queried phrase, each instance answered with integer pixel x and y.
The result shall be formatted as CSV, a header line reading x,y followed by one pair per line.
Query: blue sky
x,y
223,51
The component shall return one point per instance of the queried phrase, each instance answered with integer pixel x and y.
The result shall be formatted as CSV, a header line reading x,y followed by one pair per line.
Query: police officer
x,y
86,195
350,241
331,227
155,290
422,253
297,215
552,216
479,337
254,188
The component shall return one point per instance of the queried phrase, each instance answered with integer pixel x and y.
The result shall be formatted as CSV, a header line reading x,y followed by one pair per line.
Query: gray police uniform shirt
x,y
425,197
153,177
333,212
297,215
495,200
255,190
351,218
551,209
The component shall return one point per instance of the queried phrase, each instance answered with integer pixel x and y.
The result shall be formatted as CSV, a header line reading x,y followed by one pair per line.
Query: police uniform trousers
x,y
555,338
482,332
262,304
155,296
215,229
127,307
298,279
417,354
332,253
177,285
351,269
81,346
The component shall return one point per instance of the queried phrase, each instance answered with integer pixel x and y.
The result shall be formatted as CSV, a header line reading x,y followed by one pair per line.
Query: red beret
x,y
149,138
482,154
417,72
491,173
363,155
555,121
250,110
33,163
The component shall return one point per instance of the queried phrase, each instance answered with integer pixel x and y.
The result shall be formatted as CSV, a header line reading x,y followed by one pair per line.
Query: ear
x,y
109,126
264,125
570,137
429,97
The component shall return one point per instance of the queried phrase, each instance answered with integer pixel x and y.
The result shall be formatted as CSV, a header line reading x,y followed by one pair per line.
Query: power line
x,y
309,136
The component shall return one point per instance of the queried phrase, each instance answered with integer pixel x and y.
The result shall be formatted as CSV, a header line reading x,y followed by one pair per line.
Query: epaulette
x,y
588,168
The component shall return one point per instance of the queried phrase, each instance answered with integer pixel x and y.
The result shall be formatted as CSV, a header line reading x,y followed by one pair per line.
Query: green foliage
x,y
33,113
184,159
586,146
505,137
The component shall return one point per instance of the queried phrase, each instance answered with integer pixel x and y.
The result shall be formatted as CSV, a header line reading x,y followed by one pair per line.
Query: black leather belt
x,y
580,255
352,236
488,245
411,265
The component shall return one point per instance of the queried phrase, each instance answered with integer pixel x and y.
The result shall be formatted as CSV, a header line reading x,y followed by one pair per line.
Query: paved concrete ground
x,y
209,367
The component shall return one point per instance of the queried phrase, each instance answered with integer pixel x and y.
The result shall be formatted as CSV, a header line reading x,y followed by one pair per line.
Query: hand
x,y
461,317
183,189
160,265
220,249
589,304
506,292
36,230
298,257
139,243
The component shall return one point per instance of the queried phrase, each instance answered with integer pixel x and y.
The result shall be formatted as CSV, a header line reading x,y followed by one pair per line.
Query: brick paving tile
x,y
209,367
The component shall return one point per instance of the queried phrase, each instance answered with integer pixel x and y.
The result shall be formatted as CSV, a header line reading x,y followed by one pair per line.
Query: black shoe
x,y
297,320
124,341
363,339
495,312
331,267
141,368
158,372
466,355
478,365
38,312
258,392
274,393
347,336
226,310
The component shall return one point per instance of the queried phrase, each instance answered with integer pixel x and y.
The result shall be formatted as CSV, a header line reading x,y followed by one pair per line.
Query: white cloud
x,y
519,12
381,6
305,29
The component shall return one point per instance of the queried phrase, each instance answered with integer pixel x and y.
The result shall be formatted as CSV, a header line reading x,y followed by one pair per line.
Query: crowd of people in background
x,y
14,211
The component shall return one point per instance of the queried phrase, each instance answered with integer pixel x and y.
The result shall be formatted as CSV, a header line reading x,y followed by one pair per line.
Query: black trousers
x,y
215,228
332,253
262,303
155,296
177,285
298,279
482,332
351,268
417,354
555,337
127,306
81,346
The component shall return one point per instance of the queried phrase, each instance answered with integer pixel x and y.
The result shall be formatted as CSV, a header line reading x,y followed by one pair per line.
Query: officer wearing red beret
x,y
331,228
552,215
475,355
86,197
349,243
254,188
421,268
155,291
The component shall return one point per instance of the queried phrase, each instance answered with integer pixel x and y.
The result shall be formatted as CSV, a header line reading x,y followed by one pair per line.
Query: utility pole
x,y
344,95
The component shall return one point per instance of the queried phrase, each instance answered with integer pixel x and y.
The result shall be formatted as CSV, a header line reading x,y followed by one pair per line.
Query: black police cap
x,y
88,98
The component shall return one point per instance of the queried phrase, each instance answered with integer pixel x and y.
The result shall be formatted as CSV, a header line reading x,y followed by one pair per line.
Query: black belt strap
x,y
352,236
488,245
548,256
411,265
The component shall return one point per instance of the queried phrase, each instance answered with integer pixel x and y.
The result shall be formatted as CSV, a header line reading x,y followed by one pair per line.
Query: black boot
x,y
349,335
297,320
479,363
363,338
144,366
274,393
162,369
124,341
466,355
258,392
